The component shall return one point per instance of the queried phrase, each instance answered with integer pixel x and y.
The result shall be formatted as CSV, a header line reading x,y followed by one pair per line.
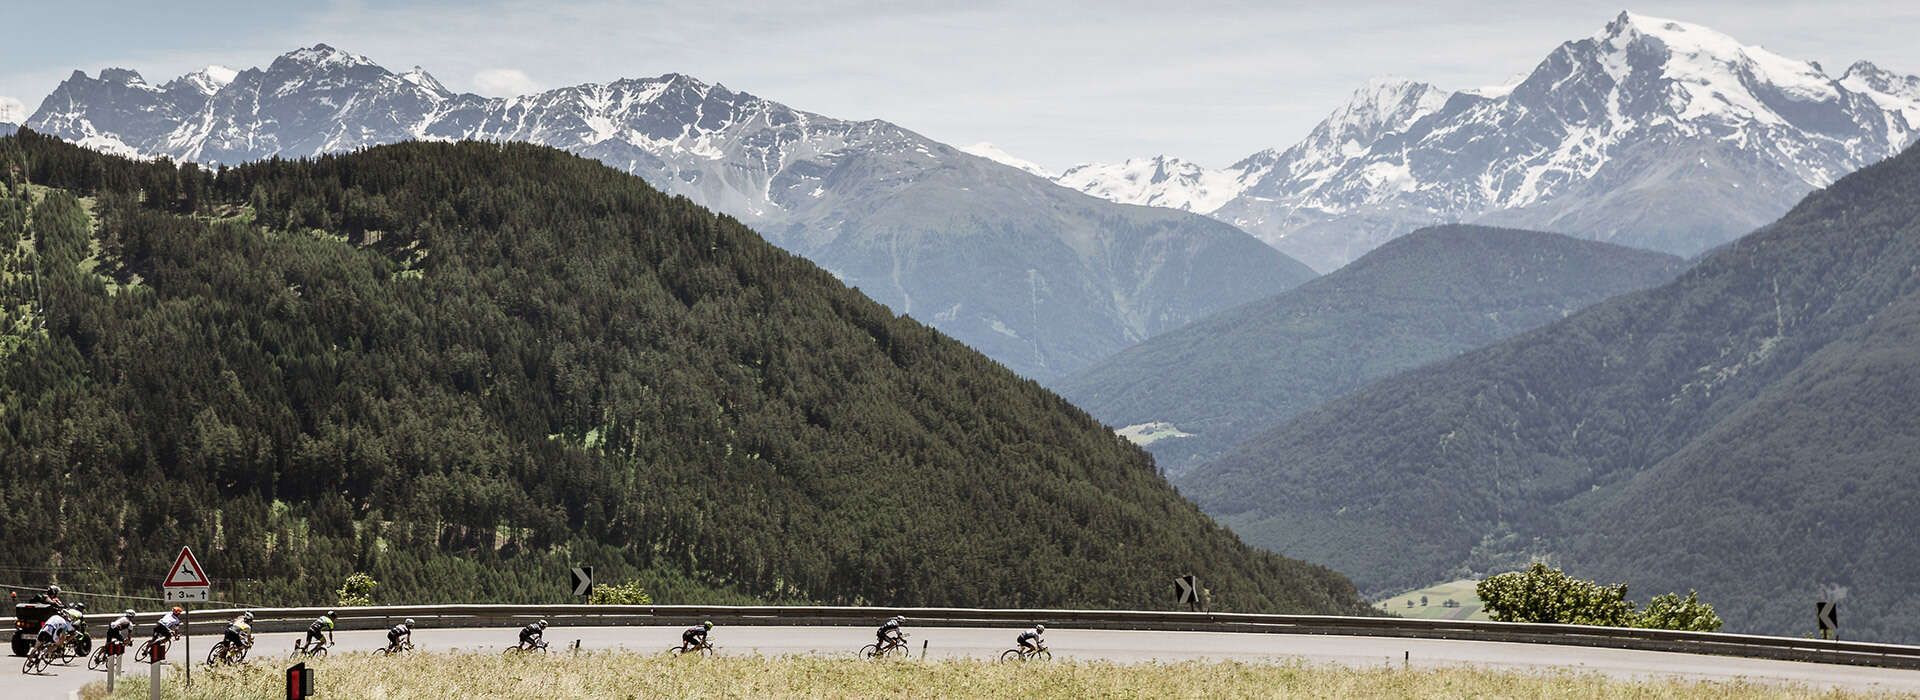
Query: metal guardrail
x,y
473,616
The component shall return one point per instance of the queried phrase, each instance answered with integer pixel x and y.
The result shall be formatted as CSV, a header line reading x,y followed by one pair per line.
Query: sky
x,y
1059,83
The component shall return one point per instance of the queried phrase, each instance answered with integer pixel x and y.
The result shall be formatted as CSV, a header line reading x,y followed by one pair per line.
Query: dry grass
x,y
629,675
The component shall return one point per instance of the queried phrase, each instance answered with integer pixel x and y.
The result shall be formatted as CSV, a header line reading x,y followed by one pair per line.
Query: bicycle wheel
x,y
320,653
98,660
869,651
1010,655
1043,655
145,655
900,651
217,653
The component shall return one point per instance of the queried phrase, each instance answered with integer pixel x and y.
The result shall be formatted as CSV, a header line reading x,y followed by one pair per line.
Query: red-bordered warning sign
x,y
186,572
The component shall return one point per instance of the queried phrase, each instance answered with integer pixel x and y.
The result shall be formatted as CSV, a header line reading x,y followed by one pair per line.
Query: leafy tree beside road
x,y
1546,594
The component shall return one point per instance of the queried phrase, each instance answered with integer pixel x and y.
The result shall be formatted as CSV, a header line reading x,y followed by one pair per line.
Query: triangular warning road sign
x,y
186,572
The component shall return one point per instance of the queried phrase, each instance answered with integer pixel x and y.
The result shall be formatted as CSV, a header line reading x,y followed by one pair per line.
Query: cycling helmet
x,y
248,616
708,624
178,610
1040,628
333,614
129,612
543,624
80,606
53,590
409,622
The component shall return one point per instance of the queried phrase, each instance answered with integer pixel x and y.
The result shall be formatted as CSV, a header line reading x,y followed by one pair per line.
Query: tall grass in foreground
x,y
609,674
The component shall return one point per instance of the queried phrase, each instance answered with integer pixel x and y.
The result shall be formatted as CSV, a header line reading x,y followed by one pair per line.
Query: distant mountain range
x,y
1423,297
1650,133
1042,278
1748,430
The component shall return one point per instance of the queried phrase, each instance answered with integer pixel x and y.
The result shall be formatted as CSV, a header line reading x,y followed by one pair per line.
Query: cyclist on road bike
x,y
889,632
121,629
55,632
530,635
239,632
1030,640
322,628
169,625
399,632
695,636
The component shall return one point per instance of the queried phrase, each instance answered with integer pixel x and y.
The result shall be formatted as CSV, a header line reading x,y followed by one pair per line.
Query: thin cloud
x,y
503,82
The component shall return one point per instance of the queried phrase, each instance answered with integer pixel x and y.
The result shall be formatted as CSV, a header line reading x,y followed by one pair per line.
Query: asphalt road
x,y
1109,645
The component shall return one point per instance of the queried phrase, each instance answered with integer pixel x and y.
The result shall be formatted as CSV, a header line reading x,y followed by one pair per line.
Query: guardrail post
x,y
153,680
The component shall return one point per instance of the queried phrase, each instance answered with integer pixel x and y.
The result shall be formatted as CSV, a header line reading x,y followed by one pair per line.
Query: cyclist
x,y
1030,640
121,629
530,635
396,633
239,634
695,636
322,629
55,632
889,634
168,627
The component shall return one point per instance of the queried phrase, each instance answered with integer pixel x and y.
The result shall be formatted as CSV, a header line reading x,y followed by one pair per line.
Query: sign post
x,y
1828,615
583,581
186,582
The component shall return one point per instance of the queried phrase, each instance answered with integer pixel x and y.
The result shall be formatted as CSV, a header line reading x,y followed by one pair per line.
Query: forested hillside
x,y
1433,294
463,367
1747,430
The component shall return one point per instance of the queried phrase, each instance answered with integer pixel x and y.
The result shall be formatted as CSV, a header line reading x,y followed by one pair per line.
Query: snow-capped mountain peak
x,y
419,76
1719,75
207,81
321,56
1892,91
1159,181
998,155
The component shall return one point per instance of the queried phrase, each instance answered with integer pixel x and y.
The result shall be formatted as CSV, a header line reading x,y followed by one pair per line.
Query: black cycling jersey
x,y
1028,636
696,635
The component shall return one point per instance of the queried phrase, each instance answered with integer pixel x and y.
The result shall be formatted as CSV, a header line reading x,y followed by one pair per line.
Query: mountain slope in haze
x,y
1650,133
1427,296
1742,430
1039,277
465,367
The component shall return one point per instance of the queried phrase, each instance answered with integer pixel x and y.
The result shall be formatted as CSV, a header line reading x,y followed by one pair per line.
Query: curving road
x,y
1108,645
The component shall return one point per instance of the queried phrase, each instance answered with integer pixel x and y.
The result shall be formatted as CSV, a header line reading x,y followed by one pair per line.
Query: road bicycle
x,y
404,646
1019,654
889,648
527,648
310,651
701,649
227,652
100,658
37,659
146,654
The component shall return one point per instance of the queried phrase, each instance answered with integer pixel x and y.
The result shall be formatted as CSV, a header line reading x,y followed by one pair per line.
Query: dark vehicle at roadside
x,y
27,620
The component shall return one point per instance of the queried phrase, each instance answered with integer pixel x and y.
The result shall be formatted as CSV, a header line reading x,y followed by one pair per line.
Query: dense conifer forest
x,y
464,367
